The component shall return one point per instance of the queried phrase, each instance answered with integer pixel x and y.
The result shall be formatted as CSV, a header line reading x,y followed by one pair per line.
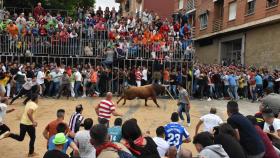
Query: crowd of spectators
x,y
234,82
202,81
85,80
145,35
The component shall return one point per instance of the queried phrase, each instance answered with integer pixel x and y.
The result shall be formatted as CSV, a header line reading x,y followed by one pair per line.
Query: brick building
x,y
237,31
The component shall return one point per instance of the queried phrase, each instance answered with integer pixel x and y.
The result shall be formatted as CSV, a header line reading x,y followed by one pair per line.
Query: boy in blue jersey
x,y
175,133
116,131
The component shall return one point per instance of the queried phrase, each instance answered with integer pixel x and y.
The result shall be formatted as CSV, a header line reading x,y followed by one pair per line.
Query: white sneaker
x,y
84,96
4,135
209,99
189,124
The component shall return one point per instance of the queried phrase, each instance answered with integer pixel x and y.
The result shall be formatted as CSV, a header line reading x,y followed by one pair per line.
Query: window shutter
x,y
232,11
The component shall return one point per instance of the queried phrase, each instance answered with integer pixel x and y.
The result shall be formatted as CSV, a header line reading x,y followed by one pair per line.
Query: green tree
x,y
50,4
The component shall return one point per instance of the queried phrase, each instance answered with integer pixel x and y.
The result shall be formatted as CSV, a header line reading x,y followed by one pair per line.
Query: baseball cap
x,y
60,139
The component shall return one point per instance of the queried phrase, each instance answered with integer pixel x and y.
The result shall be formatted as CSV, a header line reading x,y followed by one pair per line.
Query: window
x,y
232,11
271,3
251,7
181,4
203,21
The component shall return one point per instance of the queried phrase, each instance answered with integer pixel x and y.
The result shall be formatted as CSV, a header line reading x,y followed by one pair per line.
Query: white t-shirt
x,y
145,74
3,110
82,138
78,76
210,121
275,124
40,76
162,146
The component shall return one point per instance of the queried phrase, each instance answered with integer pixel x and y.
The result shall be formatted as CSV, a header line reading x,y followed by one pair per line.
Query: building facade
x,y
238,31
164,8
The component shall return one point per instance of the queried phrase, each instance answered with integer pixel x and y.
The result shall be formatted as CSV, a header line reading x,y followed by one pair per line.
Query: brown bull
x,y
143,92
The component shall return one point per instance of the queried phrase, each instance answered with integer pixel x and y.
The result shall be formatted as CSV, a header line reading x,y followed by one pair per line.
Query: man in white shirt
x,y
40,80
144,76
82,139
210,121
28,87
78,81
4,129
272,124
162,144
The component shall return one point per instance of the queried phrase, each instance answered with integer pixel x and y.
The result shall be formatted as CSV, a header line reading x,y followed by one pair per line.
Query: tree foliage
x,y
50,4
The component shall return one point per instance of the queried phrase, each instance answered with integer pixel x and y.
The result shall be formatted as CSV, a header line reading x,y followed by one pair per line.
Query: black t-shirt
x,y
14,71
231,145
55,154
249,138
150,150
30,74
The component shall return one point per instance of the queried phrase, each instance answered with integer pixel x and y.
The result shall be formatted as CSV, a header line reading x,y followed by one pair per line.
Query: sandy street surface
x,y
149,118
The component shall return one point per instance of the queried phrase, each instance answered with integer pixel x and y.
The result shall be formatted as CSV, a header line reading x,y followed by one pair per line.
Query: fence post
x,y
81,40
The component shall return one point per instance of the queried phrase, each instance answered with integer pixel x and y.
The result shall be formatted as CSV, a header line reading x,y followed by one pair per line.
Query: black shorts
x,y
4,128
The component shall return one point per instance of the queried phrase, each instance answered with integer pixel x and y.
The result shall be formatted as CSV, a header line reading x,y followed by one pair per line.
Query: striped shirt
x,y
75,122
105,109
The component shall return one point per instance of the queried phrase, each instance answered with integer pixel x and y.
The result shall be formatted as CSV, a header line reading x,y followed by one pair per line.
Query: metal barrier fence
x,y
116,80
92,46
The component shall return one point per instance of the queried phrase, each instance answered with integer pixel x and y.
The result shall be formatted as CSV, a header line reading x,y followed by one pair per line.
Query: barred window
x,y
251,5
271,3
203,21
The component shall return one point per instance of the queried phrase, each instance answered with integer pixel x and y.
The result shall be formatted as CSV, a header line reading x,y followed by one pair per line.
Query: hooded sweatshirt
x,y
213,151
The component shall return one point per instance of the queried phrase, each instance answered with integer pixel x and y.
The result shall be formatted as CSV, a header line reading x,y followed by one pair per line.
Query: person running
x,y
28,124
50,129
116,131
82,139
175,132
28,88
184,104
162,144
65,86
210,121
62,128
4,129
76,119
59,141
106,108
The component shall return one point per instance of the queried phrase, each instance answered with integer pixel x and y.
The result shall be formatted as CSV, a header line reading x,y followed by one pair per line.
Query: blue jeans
x,y
53,89
259,89
231,91
18,87
183,107
76,88
172,89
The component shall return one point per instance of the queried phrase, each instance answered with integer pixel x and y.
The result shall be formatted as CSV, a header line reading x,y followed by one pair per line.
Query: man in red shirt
x,y
105,109
39,10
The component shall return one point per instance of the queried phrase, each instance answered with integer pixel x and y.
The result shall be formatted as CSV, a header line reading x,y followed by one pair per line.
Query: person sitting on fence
x,y
12,30
109,57
39,10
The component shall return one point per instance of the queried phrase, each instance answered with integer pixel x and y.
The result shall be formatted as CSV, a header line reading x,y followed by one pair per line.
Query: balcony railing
x,y
190,5
217,25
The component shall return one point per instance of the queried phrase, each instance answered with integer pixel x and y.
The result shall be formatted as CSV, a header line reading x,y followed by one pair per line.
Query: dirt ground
x,y
149,118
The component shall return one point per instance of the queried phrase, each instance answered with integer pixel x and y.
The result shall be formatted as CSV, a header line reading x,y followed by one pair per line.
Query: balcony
x,y
193,32
217,25
190,5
